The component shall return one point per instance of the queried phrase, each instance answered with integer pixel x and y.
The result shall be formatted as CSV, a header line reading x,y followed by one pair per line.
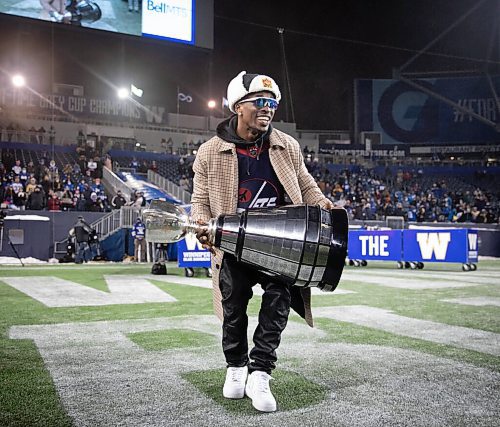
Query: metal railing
x,y
112,183
173,189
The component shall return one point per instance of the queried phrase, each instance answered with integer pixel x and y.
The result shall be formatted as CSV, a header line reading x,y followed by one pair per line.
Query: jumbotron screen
x,y
182,21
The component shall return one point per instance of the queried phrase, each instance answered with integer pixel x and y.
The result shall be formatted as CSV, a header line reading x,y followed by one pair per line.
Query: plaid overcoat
x,y
215,192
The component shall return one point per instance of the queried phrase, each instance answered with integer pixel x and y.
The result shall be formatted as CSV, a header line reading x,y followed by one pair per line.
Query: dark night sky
x,y
327,46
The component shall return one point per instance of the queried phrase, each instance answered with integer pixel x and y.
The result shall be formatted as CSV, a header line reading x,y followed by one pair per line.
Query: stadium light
x,y
211,104
18,80
123,93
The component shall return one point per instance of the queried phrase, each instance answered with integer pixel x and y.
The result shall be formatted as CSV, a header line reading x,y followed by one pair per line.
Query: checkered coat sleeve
x,y
215,192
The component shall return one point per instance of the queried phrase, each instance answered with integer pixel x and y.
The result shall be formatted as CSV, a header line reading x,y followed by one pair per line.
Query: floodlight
x,y
18,80
123,93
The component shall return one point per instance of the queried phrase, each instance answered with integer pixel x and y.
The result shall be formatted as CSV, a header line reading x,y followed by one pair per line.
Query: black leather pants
x,y
236,281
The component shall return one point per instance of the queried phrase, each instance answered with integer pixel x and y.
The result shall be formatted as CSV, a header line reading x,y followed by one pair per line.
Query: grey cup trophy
x,y
303,245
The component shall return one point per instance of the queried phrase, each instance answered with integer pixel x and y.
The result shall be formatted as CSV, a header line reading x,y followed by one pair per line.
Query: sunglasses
x,y
262,102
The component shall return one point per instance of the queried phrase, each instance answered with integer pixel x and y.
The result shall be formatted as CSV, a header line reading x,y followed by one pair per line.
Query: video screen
x,y
172,20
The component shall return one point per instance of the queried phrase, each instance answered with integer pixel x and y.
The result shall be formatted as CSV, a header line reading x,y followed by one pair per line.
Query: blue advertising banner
x,y
403,114
190,253
435,245
375,245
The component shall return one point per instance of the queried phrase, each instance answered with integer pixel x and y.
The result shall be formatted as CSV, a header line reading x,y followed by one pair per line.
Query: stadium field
x,y
112,345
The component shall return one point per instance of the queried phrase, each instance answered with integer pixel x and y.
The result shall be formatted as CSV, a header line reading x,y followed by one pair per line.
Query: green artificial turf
x,y
28,396
292,391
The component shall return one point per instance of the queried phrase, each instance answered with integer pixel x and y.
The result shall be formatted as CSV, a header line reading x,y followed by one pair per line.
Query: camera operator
x,y
82,234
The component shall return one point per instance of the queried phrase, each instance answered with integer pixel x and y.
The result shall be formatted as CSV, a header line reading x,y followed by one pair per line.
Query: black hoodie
x,y
227,131
258,185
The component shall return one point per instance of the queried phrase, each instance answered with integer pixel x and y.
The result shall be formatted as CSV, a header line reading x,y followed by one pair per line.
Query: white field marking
x,y
56,292
404,282
385,320
477,301
463,277
207,283
103,378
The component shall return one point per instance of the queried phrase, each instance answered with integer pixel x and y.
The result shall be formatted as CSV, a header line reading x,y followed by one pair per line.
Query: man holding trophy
x,y
250,165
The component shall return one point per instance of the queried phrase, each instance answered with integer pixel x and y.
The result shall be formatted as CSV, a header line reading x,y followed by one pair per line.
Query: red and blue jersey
x,y
259,186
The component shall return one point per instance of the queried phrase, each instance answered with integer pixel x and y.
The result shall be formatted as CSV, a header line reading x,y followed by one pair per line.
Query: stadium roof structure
x,y
411,78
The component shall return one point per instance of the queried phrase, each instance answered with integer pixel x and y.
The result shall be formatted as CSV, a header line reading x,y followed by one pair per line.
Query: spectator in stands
x,y
76,169
17,168
53,170
139,235
92,168
54,203
41,134
242,151
153,166
82,163
17,185
118,200
30,187
170,146
30,168
80,138
20,200
52,135
7,196
46,184
10,131
67,202
94,204
108,162
140,200
80,202
36,200
41,170
134,164
23,175
184,183
97,187
32,133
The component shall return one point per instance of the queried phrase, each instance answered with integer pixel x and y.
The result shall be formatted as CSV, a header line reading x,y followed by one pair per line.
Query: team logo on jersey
x,y
257,193
244,195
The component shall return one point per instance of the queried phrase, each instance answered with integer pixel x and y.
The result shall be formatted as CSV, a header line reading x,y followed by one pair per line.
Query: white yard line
x,y
103,378
476,301
56,292
385,320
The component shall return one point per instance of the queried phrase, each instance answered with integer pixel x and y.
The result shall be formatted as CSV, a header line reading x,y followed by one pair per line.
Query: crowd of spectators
x,y
44,186
365,194
368,196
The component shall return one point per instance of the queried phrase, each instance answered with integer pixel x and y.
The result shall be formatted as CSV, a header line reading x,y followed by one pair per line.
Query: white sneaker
x,y
258,390
234,386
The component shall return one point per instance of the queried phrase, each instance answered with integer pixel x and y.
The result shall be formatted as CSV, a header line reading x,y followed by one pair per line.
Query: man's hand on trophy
x,y
202,236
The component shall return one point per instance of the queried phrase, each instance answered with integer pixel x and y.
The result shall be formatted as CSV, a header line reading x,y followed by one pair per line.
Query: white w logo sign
x,y
433,243
192,243
472,237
